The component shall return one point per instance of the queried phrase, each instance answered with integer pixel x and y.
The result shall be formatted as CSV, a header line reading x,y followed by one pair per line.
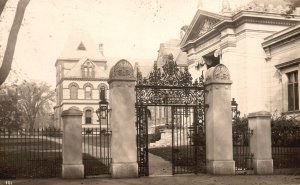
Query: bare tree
x,y
12,38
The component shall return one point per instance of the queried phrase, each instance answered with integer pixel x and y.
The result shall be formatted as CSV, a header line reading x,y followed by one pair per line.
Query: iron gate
x,y
172,86
97,144
188,141
241,142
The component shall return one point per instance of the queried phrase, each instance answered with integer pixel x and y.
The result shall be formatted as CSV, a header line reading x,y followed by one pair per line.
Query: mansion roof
x,y
80,44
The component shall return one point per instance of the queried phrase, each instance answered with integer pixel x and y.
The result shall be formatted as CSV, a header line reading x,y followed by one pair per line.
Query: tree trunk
x,y
12,38
2,5
31,127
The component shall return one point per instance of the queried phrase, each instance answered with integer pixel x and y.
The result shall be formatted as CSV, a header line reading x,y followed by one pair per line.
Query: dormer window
x,y
81,46
88,70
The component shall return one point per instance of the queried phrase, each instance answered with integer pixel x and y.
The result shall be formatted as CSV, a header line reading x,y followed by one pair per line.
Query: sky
x,y
127,28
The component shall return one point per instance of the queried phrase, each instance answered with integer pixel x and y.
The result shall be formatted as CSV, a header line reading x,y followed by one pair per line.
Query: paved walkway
x,y
158,166
175,180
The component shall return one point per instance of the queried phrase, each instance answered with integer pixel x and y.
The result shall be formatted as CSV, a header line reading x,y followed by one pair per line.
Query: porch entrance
x,y
171,88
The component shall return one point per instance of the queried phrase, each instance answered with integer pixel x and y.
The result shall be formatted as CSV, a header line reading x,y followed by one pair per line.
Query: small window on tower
x,y
81,46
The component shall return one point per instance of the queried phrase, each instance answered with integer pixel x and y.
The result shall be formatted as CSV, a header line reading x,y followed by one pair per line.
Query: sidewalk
x,y
175,180
159,166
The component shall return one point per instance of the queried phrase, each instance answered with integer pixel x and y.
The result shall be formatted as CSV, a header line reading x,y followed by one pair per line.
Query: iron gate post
x,y
219,152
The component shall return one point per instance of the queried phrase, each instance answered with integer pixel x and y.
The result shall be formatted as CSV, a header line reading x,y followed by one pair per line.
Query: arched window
x,y
102,91
73,91
88,88
88,117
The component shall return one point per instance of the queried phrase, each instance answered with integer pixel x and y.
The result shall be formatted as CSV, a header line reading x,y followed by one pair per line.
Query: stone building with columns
x,y
259,43
81,75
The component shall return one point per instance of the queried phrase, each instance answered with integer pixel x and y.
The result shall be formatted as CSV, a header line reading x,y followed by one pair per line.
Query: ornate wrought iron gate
x,y
172,86
188,140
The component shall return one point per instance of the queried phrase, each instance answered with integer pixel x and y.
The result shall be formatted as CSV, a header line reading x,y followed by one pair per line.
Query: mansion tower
x,y
81,75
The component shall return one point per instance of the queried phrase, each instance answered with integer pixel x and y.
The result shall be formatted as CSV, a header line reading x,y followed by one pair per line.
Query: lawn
x,y
40,157
163,152
94,140
7,144
25,164
93,166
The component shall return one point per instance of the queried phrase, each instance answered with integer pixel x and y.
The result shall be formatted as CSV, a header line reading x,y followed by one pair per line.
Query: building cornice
x,y
286,35
288,64
241,18
75,103
81,79
77,59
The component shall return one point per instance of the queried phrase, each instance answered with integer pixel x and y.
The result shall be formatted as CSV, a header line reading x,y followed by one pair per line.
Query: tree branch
x,y
2,5
12,40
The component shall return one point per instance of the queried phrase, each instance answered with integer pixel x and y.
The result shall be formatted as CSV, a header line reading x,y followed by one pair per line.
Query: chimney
x,y
101,48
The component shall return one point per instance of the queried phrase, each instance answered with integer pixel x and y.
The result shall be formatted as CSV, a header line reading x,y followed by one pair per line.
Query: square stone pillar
x,y
219,147
72,167
122,103
260,142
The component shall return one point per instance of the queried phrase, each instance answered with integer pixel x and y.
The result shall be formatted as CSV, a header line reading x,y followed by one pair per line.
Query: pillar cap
x,y
259,114
71,112
121,71
218,75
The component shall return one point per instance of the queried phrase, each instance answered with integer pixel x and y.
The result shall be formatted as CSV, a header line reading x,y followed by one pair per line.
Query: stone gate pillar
x,y
219,154
260,142
122,102
72,166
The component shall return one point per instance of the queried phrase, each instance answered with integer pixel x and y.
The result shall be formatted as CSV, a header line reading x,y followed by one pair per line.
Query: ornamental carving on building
x,y
207,25
284,8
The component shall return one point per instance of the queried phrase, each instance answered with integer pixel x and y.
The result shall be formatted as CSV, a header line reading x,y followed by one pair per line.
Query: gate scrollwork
x,y
172,86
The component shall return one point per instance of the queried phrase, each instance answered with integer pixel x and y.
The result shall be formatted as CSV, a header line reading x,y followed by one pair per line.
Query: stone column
x,y
219,154
72,166
122,102
260,142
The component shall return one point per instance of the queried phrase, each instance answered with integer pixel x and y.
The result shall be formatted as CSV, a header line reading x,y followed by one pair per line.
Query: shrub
x,y
285,130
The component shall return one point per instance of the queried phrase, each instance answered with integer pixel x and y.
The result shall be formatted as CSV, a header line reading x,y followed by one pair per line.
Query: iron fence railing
x,y
285,143
34,153
241,141
96,151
